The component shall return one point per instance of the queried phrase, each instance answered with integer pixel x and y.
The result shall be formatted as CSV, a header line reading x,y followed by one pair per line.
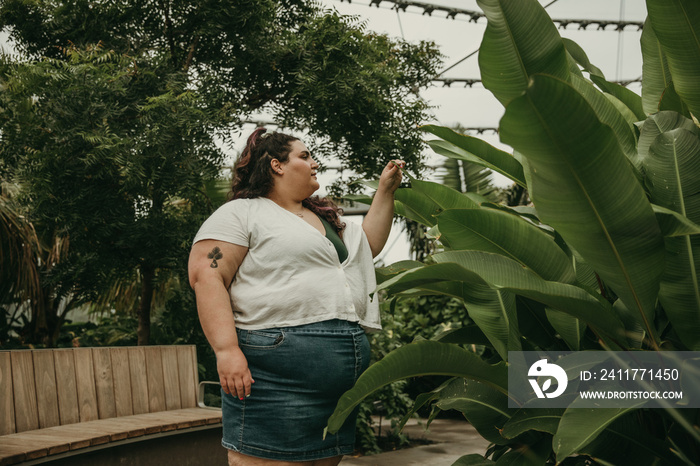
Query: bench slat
x,y
10,455
154,373
85,384
139,381
122,381
187,370
46,397
7,405
171,378
65,386
104,383
17,445
26,415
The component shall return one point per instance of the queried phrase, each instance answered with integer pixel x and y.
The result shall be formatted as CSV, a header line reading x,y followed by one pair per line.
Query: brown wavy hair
x,y
252,174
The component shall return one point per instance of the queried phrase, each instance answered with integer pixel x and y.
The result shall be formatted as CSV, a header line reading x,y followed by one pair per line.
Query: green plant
x,y
606,259
402,322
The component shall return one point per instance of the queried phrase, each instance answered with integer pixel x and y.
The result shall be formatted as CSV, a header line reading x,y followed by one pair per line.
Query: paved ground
x,y
452,440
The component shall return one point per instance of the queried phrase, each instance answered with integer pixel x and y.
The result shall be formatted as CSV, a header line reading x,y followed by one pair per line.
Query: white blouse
x,y
291,274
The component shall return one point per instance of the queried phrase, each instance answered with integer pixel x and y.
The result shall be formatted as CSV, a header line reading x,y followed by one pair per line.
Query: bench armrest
x,y
200,395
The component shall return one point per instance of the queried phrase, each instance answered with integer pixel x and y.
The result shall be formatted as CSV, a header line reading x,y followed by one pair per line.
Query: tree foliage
x,y
115,117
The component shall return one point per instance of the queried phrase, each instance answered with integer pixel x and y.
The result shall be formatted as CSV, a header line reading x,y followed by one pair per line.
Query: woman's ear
x,y
276,167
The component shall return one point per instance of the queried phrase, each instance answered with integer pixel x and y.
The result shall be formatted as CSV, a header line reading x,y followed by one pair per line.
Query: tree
x,y
315,69
606,260
103,170
116,122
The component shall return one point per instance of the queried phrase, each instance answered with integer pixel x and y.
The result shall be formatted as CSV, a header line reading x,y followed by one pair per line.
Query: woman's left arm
x,y
377,223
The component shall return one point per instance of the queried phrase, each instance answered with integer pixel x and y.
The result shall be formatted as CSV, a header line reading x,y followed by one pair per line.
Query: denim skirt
x,y
300,373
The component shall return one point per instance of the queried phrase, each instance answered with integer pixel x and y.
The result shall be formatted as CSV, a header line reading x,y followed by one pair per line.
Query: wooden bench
x,y
59,402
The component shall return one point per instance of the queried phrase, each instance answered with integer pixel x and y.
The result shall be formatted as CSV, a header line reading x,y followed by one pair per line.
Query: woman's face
x,y
299,171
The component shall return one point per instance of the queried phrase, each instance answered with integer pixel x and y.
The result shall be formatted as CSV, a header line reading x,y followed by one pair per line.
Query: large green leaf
x,y
674,224
670,100
443,196
473,460
474,150
609,114
414,360
569,328
505,274
385,273
625,441
580,426
534,326
411,204
520,40
677,27
579,56
425,200
631,100
655,72
536,454
583,185
673,169
484,407
494,311
467,335
660,123
507,234
539,419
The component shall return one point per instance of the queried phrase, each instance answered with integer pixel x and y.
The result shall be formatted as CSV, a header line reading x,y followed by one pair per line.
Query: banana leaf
x,y
673,168
539,419
535,454
520,40
660,123
494,311
444,197
474,150
505,274
673,224
418,359
484,407
657,76
583,185
473,460
569,328
625,441
580,426
676,24
509,235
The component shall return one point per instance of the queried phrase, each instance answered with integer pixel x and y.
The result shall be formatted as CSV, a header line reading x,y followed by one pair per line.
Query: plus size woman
x,y
282,290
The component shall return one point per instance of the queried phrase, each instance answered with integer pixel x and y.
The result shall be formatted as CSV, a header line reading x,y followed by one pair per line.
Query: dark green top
x,y
335,239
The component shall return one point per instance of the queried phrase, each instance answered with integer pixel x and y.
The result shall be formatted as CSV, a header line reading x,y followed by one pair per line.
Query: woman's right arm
x,y
212,266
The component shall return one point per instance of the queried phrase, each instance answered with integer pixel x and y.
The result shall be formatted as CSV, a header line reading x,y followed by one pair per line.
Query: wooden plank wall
x,y
50,387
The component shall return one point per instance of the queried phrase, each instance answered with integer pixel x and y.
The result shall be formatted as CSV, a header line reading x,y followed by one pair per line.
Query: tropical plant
x,y
606,259
32,310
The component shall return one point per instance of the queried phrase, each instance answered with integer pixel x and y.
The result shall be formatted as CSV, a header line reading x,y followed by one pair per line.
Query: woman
x,y
282,292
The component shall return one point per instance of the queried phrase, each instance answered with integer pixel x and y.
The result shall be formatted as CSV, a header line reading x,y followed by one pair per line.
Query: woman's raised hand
x,y
391,176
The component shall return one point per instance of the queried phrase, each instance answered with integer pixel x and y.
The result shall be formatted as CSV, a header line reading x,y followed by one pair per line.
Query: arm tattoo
x,y
214,255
